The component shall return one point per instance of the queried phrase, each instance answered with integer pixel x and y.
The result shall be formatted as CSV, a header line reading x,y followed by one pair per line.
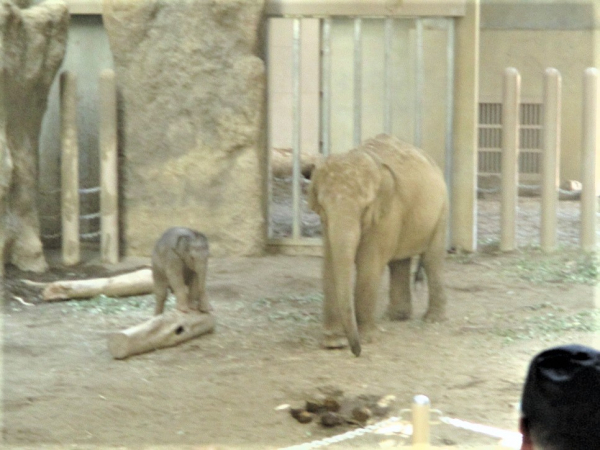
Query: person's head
x,y
560,406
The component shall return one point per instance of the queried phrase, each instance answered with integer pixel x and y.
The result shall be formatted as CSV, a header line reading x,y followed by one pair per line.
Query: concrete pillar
x,y
69,169
463,212
510,159
109,193
551,158
589,158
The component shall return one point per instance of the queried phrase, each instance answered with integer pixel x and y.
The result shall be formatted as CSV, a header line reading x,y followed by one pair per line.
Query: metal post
x,y
419,80
357,81
296,142
550,158
510,158
326,86
69,169
109,196
420,421
449,116
591,146
387,92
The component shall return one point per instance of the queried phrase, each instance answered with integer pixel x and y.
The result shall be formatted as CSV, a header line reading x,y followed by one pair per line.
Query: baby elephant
x,y
179,261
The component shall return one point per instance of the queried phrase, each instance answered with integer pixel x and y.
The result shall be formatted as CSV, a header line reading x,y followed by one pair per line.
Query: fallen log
x,y
164,330
133,283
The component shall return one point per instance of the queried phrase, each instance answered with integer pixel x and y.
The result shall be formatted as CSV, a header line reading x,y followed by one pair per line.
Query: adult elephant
x,y
380,204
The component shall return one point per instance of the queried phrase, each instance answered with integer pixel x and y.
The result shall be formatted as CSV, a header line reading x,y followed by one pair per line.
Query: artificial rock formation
x,y
192,87
32,47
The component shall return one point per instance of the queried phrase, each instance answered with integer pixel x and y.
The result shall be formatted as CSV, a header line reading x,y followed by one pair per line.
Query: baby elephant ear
x,y
182,247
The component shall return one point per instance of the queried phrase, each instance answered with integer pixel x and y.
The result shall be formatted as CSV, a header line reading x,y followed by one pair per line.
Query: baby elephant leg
x,y
180,289
161,289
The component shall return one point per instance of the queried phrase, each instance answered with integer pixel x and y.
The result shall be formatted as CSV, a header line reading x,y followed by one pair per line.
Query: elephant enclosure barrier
x,y
417,429
513,217
549,188
70,191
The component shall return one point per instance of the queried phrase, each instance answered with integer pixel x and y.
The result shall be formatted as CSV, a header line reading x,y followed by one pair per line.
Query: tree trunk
x,y
32,47
134,283
164,330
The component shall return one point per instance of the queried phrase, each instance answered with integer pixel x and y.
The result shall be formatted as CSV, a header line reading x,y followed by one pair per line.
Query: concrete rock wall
x,y
32,46
192,88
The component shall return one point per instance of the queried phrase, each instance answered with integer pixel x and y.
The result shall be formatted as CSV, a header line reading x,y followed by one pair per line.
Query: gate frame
x,y
462,126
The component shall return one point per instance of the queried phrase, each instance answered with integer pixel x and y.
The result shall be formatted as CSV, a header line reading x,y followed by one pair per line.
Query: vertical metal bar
x,y
269,121
69,169
448,167
297,114
421,408
326,86
591,146
419,81
550,159
109,198
387,54
510,158
357,81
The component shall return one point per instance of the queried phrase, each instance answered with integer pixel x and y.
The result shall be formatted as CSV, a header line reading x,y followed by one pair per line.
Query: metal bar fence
x,y
325,103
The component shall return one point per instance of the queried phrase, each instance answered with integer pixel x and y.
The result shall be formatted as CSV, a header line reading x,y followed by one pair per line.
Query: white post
x,y
420,421
69,169
109,194
510,158
550,158
590,146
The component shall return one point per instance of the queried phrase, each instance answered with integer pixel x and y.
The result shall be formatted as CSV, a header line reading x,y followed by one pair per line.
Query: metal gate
x,y
374,75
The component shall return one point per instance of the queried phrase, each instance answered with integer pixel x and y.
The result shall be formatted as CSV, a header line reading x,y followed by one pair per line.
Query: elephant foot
x,y
184,309
331,341
368,335
399,314
434,316
205,308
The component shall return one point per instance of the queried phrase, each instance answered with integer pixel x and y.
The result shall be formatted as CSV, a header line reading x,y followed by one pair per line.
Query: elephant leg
x,y
433,263
180,289
369,269
333,333
199,289
400,306
161,290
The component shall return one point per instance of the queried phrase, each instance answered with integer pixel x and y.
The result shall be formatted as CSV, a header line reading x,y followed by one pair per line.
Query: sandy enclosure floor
x,y
61,387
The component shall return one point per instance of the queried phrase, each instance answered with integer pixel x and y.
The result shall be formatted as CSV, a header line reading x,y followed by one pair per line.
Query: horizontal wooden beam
x,y
375,8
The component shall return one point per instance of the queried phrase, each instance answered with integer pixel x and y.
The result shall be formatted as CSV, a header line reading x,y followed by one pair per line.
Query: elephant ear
x,y
377,208
182,246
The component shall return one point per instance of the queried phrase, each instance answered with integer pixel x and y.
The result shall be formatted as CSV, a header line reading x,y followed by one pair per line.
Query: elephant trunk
x,y
343,241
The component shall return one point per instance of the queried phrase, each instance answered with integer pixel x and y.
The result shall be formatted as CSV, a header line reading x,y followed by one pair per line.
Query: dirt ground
x,y
222,390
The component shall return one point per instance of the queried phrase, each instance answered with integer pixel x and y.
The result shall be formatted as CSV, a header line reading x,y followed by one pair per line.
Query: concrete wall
x,y
532,36
87,54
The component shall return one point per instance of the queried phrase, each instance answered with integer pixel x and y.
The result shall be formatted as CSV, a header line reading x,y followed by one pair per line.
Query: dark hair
x,y
561,398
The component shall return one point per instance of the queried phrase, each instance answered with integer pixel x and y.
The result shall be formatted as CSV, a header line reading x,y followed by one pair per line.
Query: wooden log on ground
x,y
165,330
133,283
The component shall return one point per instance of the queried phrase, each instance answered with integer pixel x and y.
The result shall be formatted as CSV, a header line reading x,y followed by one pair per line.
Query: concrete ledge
x,y
84,6
328,7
